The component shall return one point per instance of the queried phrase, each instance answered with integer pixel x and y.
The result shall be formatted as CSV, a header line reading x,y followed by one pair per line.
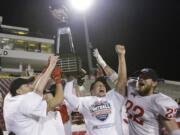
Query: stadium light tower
x,y
83,6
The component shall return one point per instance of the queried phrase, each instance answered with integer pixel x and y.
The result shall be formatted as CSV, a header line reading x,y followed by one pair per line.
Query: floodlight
x,y
81,5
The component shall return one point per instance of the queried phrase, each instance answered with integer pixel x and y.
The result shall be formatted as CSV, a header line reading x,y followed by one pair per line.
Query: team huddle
x,y
131,108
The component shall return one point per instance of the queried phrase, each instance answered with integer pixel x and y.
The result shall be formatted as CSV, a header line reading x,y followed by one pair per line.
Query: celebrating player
x,y
101,110
146,110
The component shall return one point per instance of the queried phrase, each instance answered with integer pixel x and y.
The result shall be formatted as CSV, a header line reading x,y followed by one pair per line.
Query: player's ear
x,y
19,91
155,83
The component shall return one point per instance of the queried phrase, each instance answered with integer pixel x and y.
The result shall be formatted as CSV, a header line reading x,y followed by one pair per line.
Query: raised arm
x,y
59,96
113,76
43,79
122,72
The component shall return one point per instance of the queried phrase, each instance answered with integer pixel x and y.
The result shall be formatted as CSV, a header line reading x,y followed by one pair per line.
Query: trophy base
x,y
70,64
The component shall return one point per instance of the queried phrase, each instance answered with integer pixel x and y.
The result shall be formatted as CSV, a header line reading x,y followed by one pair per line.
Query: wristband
x,y
101,61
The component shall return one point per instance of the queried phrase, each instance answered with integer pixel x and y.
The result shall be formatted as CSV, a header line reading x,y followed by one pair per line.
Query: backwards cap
x,y
18,83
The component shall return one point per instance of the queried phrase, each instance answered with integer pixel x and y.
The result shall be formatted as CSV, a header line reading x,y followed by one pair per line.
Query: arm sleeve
x,y
72,99
165,106
33,105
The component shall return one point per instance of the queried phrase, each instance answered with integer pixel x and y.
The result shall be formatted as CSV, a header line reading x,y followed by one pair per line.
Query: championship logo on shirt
x,y
100,110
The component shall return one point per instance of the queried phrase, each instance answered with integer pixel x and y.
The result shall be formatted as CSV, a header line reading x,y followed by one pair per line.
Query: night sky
x,y
149,29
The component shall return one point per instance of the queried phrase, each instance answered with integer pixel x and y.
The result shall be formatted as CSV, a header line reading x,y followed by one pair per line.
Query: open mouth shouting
x,y
141,83
101,91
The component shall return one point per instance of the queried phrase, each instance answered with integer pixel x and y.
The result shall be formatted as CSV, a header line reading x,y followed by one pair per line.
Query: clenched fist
x,y
120,49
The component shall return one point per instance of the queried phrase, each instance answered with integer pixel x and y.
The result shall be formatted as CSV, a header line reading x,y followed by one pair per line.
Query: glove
x,y
96,53
99,58
56,74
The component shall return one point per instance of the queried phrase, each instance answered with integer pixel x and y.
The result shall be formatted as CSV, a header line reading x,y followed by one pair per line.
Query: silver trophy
x,y
70,62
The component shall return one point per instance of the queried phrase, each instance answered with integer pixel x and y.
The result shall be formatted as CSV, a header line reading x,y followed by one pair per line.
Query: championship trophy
x,y
69,61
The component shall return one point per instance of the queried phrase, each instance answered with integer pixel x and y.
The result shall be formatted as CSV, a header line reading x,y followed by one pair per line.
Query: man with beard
x,y
146,109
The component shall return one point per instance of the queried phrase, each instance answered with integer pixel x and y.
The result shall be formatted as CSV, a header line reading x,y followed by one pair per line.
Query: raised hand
x,y
53,60
120,49
56,74
96,53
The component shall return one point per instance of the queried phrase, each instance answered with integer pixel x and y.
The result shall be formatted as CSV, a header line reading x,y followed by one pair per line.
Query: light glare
x,y
81,5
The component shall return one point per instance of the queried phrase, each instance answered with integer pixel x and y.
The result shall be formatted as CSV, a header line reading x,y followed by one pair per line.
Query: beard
x,y
144,90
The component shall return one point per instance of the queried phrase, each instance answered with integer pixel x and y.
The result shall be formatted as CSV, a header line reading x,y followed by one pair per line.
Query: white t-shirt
x,y
22,113
144,111
52,124
100,113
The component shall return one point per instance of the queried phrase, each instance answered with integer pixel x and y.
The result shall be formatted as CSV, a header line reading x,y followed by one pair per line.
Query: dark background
x,y
149,29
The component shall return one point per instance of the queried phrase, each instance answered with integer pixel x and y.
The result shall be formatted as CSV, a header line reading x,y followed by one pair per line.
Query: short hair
x,y
17,83
100,79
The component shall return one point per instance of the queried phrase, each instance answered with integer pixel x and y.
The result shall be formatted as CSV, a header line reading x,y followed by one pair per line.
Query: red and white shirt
x,y
100,113
144,111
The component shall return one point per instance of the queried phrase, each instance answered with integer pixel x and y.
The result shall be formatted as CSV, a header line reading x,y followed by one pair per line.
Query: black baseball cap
x,y
18,83
148,73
